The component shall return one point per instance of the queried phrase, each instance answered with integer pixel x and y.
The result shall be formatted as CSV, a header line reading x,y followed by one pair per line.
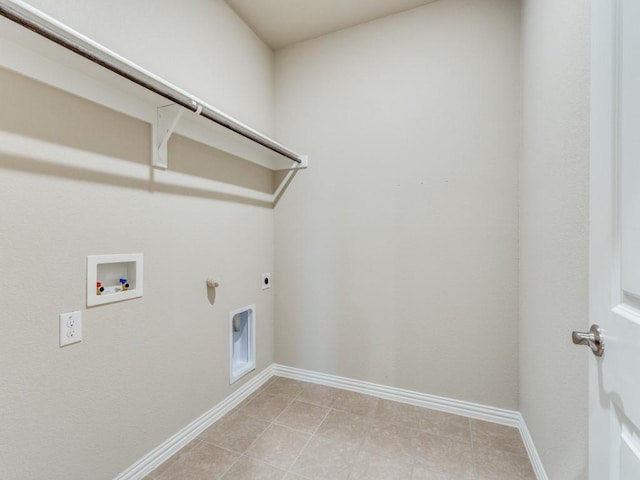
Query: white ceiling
x,y
283,22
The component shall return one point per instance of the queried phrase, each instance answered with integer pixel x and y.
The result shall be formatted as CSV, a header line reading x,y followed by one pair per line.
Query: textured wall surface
x,y
201,46
396,253
554,235
146,367
397,249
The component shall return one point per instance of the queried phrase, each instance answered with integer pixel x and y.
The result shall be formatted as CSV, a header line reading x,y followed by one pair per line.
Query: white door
x,y
614,382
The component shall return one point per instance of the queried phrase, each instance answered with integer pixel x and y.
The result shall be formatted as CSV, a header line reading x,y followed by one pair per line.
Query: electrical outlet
x,y
70,328
266,281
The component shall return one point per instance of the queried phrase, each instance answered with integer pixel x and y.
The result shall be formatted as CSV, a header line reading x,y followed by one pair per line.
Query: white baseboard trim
x,y
536,461
459,407
163,452
449,405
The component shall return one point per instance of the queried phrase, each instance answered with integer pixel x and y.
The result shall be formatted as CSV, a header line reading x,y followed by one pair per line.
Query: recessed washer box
x,y
119,276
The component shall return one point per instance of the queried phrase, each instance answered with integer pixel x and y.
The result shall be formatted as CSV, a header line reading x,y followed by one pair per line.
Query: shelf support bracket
x,y
167,120
304,163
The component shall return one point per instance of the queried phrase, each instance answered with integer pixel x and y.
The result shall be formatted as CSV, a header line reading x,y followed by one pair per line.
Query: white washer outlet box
x,y
70,328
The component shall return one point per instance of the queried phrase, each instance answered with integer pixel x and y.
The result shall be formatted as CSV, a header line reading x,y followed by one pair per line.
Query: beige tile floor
x,y
290,430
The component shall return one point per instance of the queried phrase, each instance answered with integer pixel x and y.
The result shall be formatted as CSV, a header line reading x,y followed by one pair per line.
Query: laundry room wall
x,y
554,232
397,251
75,180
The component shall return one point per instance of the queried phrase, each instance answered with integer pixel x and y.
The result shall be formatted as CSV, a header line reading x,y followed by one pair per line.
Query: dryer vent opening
x,y
243,344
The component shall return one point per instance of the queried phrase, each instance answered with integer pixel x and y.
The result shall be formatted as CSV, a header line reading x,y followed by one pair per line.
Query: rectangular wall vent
x,y
242,328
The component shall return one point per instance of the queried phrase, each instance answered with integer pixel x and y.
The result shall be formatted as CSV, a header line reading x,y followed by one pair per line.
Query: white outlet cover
x,y
266,281
70,328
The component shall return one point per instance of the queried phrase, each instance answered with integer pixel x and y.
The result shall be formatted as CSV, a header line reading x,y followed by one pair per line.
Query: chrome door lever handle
x,y
592,338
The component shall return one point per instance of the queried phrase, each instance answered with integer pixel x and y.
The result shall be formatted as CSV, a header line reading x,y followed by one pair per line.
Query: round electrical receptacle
x,y
266,281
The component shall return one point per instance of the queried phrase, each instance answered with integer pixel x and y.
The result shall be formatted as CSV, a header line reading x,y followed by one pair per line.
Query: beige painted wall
x,y
201,46
554,172
397,249
149,366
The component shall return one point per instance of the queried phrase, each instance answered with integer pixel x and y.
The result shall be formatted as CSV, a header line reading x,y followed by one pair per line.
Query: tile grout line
x,y
370,420
288,469
473,450
243,454
333,406
330,408
230,466
240,455
271,423
366,435
235,461
178,461
357,455
313,434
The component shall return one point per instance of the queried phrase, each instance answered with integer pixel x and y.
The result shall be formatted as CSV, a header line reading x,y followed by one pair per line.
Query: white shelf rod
x,y
48,27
